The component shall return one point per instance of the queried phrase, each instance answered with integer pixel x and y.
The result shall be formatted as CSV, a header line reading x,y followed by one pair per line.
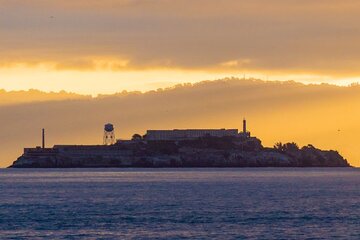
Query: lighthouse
x,y
244,126
245,132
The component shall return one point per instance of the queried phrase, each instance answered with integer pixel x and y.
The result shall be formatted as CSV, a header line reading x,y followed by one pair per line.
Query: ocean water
x,y
260,203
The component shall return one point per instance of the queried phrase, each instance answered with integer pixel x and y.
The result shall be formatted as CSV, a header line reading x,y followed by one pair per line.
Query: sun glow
x,y
103,79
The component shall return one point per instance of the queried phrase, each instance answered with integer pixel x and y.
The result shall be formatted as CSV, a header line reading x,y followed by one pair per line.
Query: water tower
x,y
109,134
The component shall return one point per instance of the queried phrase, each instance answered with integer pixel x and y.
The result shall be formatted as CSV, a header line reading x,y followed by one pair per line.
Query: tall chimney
x,y
43,138
244,125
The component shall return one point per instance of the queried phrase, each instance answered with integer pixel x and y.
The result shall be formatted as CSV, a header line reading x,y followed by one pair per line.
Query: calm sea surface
x,y
176,204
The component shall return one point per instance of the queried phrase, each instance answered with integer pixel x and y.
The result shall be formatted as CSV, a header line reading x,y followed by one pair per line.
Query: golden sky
x,y
91,46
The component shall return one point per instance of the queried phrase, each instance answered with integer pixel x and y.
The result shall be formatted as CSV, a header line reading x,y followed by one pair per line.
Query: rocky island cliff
x,y
209,151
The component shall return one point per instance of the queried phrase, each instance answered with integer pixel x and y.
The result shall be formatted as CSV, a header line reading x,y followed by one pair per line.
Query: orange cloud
x,y
318,37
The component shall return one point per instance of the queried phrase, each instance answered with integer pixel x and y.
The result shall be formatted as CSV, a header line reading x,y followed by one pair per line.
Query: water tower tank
x,y
109,127
109,134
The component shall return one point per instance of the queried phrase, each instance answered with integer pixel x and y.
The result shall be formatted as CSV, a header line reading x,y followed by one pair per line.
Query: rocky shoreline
x,y
202,152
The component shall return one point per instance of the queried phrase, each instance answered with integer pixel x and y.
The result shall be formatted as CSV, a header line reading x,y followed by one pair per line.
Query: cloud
x,y
281,36
32,96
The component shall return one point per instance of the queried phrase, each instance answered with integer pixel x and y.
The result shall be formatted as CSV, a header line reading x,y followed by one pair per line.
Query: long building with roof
x,y
188,134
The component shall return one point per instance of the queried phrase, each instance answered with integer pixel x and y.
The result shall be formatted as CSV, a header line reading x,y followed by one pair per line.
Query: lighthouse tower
x,y
244,126
245,133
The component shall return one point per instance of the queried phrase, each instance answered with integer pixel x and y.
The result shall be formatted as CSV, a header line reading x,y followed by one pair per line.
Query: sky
x,y
106,46
96,47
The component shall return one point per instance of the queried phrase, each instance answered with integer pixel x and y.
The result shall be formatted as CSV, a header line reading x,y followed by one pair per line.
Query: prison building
x,y
184,134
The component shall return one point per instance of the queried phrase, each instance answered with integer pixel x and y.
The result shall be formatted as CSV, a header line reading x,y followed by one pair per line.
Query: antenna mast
x,y
43,138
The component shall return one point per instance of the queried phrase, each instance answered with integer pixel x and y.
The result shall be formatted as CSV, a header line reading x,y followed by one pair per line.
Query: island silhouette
x,y
179,148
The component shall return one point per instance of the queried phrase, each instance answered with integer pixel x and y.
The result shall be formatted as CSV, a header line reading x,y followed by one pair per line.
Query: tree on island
x,y
279,146
287,147
136,137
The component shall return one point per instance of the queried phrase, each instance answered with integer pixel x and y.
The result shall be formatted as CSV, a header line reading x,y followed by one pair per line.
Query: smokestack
x,y
244,125
43,138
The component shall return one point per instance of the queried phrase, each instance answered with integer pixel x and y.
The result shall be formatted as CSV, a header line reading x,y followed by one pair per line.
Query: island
x,y
179,148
